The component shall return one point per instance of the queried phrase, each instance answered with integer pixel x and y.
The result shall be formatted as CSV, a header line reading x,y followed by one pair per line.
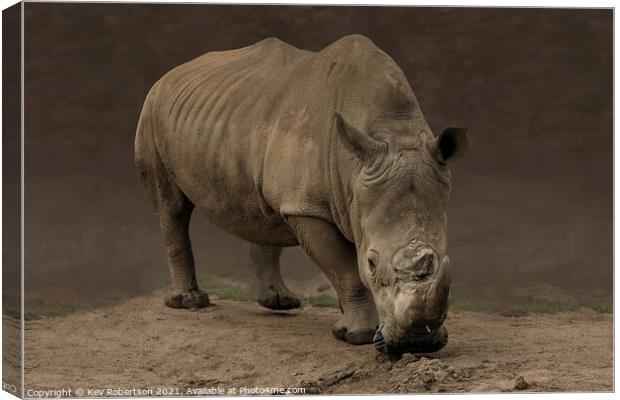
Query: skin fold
x,y
328,150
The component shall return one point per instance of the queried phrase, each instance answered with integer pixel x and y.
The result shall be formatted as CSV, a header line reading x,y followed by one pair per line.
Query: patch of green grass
x,y
542,306
511,306
227,292
521,305
235,293
602,308
45,308
321,300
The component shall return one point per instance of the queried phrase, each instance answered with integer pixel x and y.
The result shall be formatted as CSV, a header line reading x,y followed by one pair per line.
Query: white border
x,y
21,207
409,3
431,3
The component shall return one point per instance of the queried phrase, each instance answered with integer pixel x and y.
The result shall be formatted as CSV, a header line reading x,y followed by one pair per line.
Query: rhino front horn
x,y
440,289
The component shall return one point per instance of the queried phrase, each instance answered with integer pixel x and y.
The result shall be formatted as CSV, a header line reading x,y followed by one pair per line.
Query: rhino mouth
x,y
425,340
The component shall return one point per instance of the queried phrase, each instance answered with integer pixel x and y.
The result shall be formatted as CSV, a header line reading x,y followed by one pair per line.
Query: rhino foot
x,y
192,299
358,335
279,300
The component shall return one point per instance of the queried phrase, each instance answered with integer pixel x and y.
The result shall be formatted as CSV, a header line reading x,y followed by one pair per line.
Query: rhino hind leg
x,y
175,213
337,259
272,291
175,210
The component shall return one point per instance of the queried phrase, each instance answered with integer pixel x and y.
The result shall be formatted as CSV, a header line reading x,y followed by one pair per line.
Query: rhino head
x,y
398,201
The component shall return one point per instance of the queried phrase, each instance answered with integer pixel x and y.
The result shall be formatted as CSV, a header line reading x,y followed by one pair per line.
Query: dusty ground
x,y
140,343
11,351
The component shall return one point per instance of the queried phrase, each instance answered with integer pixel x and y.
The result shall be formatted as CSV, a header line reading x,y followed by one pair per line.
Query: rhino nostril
x,y
424,267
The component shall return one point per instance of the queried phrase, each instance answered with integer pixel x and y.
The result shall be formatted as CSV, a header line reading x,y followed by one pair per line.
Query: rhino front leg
x,y
175,211
272,292
336,257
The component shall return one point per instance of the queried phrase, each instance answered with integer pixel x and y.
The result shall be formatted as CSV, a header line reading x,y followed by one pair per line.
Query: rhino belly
x,y
252,227
235,207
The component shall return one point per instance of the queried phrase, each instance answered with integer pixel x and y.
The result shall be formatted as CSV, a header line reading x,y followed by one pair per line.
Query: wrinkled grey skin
x,y
328,150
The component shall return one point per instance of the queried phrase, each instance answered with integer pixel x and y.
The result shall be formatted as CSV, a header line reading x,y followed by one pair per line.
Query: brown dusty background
x,y
531,205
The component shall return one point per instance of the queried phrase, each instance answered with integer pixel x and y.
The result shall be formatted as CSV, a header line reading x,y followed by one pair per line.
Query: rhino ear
x,y
451,144
356,141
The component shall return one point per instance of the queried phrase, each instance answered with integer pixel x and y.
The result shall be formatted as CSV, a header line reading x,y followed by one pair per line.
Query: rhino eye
x,y
373,260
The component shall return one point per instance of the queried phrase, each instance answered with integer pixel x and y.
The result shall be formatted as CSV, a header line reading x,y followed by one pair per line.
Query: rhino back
x,y
247,133
213,115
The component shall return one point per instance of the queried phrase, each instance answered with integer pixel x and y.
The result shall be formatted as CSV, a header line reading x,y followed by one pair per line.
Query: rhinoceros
x,y
328,150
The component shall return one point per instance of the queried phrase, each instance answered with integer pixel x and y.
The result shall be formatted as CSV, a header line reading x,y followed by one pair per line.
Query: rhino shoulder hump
x,y
270,41
351,42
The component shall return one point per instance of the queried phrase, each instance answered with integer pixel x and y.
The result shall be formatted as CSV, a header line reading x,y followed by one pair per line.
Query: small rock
x,y
521,384
428,379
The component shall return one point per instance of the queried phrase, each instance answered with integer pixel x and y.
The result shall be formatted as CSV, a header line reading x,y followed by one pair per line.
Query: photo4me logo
x,y
263,391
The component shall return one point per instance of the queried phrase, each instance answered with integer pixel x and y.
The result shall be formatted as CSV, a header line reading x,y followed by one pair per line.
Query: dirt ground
x,y
142,344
